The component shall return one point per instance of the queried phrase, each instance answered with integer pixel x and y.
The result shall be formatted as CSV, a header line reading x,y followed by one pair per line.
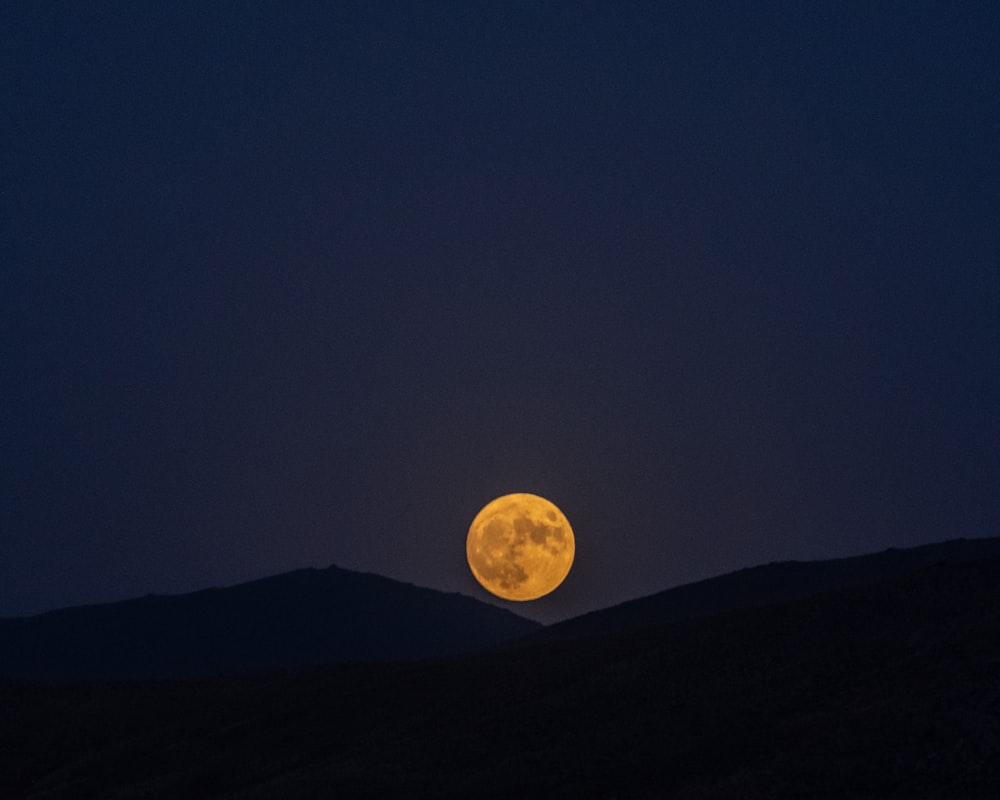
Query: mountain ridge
x,y
765,584
883,691
304,617
320,616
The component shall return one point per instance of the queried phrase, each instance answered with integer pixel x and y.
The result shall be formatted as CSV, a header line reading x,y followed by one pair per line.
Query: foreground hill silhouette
x,y
770,583
891,689
299,618
314,617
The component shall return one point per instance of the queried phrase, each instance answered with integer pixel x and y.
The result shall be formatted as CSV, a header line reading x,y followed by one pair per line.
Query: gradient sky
x,y
293,284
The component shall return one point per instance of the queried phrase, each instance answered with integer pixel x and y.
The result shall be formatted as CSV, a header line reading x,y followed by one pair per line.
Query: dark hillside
x,y
777,582
300,618
889,690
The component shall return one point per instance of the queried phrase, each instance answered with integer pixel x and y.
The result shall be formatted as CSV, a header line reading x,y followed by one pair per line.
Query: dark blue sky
x,y
288,284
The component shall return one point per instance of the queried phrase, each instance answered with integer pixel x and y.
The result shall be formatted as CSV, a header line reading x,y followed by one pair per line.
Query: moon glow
x,y
520,547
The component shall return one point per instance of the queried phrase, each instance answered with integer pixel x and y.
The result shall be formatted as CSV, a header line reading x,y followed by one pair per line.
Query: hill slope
x,y
890,690
770,583
304,617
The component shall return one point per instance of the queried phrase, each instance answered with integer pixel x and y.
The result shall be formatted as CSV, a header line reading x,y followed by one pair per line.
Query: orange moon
x,y
520,547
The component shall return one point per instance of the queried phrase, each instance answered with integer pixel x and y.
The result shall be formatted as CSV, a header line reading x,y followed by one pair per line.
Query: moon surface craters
x,y
520,547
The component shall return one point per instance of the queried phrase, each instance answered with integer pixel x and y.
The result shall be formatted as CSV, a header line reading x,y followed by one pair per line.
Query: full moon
x,y
520,547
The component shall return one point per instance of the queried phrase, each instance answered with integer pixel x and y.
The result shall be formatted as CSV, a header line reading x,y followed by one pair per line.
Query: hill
x,y
777,582
299,618
886,690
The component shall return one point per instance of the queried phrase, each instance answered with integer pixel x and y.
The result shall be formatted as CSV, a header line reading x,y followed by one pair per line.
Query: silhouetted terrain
x,y
300,618
885,690
770,583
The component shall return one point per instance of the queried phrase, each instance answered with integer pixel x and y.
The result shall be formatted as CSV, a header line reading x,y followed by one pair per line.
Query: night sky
x,y
293,284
